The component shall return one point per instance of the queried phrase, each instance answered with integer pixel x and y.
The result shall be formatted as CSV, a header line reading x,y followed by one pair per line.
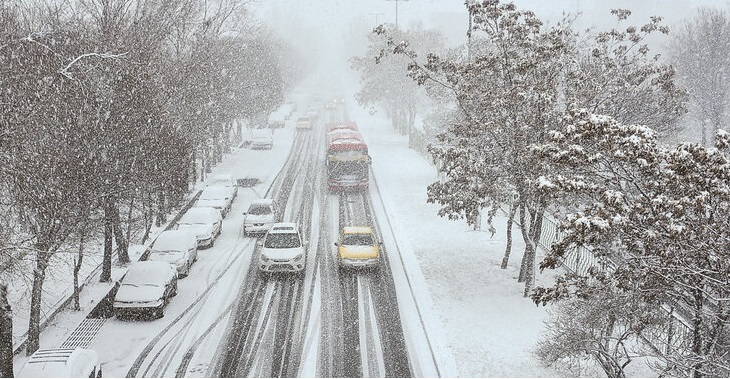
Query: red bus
x,y
348,162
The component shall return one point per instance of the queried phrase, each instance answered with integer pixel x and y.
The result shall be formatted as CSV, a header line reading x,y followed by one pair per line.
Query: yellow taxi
x,y
358,247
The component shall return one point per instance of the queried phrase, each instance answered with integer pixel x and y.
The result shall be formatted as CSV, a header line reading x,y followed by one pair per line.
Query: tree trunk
x,y
106,265
122,245
508,249
36,297
6,334
129,219
161,209
147,214
529,264
697,332
524,228
193,163
535,233
78,260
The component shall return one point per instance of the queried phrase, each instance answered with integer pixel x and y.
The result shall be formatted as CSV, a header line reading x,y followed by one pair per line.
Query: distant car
x,y
176,247
358,247
225,180
259,217
332,104
277,120
262,138
204,223
218,197
283,249
146,288
62,363
312,113
304,122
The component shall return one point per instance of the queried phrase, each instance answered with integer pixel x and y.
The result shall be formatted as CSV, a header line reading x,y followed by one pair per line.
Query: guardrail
x,y
579,260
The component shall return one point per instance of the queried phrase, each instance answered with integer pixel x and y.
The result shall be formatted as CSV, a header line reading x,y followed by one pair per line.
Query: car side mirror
x,y
337,244
244,213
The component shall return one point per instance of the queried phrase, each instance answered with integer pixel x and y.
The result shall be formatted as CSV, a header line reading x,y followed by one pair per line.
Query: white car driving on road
x,y
283,249
259,217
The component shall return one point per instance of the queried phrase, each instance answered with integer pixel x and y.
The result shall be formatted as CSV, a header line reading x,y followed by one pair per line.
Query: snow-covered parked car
x,y
145,289
283,249
261,214
277,119
177,247
62,363
262,138
225,180
203,222
218,197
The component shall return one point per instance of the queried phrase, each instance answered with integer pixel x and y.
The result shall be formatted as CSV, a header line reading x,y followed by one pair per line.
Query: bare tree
x,y
700,52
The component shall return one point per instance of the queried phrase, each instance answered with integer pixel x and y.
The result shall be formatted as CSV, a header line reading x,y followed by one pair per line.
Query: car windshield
x,y
282,241
259,210
357,239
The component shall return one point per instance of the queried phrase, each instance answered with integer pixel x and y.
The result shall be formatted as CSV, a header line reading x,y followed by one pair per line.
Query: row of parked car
x,y
148,285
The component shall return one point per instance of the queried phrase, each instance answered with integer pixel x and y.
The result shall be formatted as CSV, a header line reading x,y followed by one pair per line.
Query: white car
x,y
225,180
177,247
146,288
283,249
218,197
259,217
204,222
62,363
262,138
304,122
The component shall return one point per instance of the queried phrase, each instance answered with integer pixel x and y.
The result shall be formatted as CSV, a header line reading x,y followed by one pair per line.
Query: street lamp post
x,y
376,14
396,11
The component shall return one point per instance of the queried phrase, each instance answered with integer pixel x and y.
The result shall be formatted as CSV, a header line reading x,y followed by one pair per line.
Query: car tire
x,y
173,293
160,311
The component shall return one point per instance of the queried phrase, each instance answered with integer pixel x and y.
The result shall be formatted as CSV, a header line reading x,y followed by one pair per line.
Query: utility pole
x,y
396,11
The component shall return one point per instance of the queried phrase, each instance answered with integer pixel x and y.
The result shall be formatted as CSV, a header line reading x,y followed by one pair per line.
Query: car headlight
x,y
264,258
299,256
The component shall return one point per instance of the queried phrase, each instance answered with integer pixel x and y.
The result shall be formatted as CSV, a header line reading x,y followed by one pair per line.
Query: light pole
x,y
396,11
376,14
